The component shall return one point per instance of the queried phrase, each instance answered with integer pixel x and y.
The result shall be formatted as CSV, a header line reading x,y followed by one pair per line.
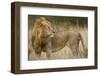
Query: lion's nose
x,y
53,31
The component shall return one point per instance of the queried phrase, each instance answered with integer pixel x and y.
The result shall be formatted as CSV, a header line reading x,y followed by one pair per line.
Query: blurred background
x,y
61,22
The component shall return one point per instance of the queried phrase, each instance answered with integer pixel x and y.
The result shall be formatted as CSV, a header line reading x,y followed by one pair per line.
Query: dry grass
x,y
66,52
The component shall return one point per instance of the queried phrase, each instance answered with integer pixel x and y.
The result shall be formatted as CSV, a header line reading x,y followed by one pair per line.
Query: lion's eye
x,y
48,27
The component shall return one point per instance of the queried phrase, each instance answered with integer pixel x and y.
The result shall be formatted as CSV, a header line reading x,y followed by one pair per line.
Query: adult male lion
x,y
45,39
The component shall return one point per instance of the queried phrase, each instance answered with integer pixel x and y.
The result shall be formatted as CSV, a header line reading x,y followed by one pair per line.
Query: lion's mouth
x,y
52,35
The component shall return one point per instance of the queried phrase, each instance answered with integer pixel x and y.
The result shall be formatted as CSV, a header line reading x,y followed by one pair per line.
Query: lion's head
x,y
42,33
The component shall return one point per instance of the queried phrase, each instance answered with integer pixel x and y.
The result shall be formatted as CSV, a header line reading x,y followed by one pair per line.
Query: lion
x,y
42,32
45,39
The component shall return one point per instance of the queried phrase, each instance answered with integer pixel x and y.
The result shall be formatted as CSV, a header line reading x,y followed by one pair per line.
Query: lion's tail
x,y
85,50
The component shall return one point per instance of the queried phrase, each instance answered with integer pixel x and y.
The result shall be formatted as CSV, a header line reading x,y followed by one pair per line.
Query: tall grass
x,y
66,53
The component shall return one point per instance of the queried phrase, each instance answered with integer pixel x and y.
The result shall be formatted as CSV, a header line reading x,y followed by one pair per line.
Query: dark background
x,y
60,21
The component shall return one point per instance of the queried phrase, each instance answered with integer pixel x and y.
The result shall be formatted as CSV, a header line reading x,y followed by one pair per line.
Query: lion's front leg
x,y
38,52
48,50
48,54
